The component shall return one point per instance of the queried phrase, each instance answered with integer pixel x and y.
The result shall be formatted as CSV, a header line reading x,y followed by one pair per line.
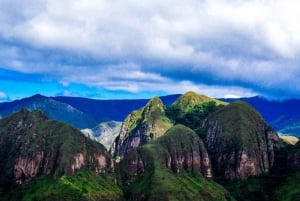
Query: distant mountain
x,y
108,110
105,132
54,109
283,116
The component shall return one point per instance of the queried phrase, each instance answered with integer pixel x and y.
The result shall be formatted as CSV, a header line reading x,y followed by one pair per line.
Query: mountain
x,y
54,109
239,141
212,152
173,167
142,126
42,154
283,116
190,99
105,132
107,110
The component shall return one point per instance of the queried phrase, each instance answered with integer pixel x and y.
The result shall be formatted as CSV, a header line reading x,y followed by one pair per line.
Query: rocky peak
x,y
240,142
142,126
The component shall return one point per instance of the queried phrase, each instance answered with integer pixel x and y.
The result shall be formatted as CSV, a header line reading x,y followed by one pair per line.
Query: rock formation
x,y
239,142
33,145
142,126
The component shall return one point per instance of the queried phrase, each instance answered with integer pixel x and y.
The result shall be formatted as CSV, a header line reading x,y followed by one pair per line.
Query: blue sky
x,y
139,49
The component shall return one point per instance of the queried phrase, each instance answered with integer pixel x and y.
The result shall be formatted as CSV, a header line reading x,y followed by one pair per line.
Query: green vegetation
x,y
158,182
83,186
194,116
191,99
47,151
170,167
289,190
152,114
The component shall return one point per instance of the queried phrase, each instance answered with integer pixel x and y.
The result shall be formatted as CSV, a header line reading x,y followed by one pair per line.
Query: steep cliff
x,y
294,157
142,126
239,142
173,167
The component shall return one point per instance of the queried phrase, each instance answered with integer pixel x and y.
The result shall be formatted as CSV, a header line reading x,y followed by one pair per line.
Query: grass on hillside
x,y
84,185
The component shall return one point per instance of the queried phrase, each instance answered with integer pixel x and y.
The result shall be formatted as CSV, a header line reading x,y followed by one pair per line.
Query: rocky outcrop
x,y
141,126
185,151
32,145
294,157
239,142
179,150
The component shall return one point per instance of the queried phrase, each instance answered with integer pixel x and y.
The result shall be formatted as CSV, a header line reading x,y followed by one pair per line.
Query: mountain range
x,y
85,113
195,148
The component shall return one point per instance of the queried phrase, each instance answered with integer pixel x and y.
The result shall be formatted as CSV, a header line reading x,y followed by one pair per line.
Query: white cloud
x,y
3,96
255,44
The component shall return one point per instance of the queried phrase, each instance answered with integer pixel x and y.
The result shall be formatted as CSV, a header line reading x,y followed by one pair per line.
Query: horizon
x,y
143,98
134,50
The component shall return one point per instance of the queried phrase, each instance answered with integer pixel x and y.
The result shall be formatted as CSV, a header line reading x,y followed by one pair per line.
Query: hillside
x,y
142,126
218,152
37,153
239,141
172,167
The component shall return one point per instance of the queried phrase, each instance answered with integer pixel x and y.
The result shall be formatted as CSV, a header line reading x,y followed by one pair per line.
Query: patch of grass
x,y
84,185
289,190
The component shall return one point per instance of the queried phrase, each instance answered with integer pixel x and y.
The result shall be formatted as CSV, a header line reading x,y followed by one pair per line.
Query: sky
x,y
113,49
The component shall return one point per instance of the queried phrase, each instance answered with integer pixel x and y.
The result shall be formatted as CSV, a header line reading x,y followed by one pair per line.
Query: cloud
x,y
248,47
3,96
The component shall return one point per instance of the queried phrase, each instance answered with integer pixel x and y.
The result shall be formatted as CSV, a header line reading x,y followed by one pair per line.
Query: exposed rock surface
x,y
142,126
294,157
239,142
33,145
173,167
179,150
184,150
105,132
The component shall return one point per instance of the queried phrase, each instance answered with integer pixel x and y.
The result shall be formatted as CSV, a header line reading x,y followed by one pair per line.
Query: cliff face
x,y
179,150
32,145
239,142
173,167
142,126
294,158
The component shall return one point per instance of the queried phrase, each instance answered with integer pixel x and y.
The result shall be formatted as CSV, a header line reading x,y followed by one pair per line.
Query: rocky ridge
x,y
142,126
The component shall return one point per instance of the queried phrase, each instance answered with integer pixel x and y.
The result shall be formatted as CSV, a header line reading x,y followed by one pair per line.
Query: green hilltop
x,y
191,99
